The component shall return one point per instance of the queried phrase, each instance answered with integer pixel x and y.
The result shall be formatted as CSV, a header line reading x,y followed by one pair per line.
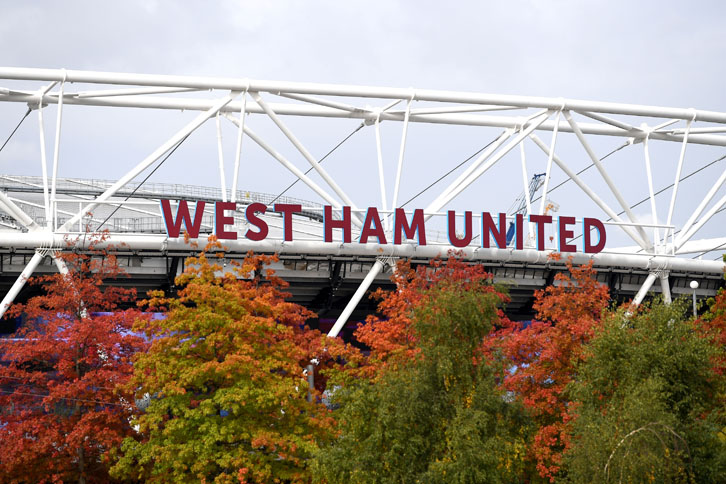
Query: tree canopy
x,y
225,372
647,405
64,408
449,391
437,416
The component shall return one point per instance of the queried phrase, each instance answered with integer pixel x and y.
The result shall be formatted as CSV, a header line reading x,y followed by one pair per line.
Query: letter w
x,y
173,227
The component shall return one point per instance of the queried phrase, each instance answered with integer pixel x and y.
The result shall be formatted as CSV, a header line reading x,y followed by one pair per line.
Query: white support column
x,y
527,194
548,171
238,153
375,270
149,160
682,156
20,282
645,288
381,173
56,149
306,154
401,154
220,151
665,288
651,192
43,160
596,161
590,193
525,179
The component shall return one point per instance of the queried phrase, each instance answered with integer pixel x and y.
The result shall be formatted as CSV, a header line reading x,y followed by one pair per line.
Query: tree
x,y
439,416
545,354
63,405
225,373
712,325
647,402
393,338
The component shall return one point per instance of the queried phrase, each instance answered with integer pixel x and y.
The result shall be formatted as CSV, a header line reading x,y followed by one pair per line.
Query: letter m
x,y
173,226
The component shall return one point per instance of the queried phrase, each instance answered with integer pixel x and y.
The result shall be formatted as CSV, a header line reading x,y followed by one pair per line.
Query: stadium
x,y
653,176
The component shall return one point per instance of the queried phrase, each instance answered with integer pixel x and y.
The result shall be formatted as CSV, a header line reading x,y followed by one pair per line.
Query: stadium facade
x,y
658,207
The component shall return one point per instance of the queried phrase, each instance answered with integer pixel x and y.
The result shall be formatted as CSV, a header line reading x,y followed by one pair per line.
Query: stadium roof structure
x,y
660,204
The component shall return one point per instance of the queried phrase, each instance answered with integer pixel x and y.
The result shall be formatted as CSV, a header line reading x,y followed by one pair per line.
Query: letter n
x,y
488,227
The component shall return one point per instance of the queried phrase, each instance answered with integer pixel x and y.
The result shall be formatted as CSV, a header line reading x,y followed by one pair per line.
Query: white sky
x,y
647,52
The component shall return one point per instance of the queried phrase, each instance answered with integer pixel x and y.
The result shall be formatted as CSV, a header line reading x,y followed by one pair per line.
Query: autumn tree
x,y
712,324
391,335
434,414
63,408
225,373
647,401
544,356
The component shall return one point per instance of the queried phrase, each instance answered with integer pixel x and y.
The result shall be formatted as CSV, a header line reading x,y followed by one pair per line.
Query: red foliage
x,y
392,338
62,408
546,353
314,347
712,325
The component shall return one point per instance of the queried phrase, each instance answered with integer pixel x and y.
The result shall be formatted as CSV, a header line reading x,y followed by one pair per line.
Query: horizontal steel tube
x,y
32,240
92,77
157,102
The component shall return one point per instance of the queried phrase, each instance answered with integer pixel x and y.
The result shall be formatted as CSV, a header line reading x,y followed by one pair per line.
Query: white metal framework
x,y
679,228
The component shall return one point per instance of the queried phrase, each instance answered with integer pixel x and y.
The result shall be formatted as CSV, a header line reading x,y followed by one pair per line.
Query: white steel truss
x,y
660,247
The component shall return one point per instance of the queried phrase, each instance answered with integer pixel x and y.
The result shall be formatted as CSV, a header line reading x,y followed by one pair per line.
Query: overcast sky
x,y
656,52
644,52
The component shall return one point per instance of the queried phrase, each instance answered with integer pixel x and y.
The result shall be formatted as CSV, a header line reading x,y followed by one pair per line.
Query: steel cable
x,y
16,128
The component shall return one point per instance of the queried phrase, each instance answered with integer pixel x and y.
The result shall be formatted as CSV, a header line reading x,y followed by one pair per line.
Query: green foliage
x,y
647,402
228,390
440,418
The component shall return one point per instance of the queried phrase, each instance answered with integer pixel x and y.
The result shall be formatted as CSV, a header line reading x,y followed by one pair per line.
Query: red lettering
x,y
587,225
221,220
565,234
287,210
329,224
519,236
174,227
250,213
368,230
488,227
453,238
540,220
400,223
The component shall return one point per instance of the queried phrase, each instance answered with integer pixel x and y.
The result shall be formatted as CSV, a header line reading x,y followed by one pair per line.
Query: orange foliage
x,y
392,338
546,354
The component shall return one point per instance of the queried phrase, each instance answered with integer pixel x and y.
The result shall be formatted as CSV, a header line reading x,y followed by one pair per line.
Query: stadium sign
x,y
404,227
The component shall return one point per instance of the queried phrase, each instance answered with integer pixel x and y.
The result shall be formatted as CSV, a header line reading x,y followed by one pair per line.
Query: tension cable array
x,y
319,161
171,152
